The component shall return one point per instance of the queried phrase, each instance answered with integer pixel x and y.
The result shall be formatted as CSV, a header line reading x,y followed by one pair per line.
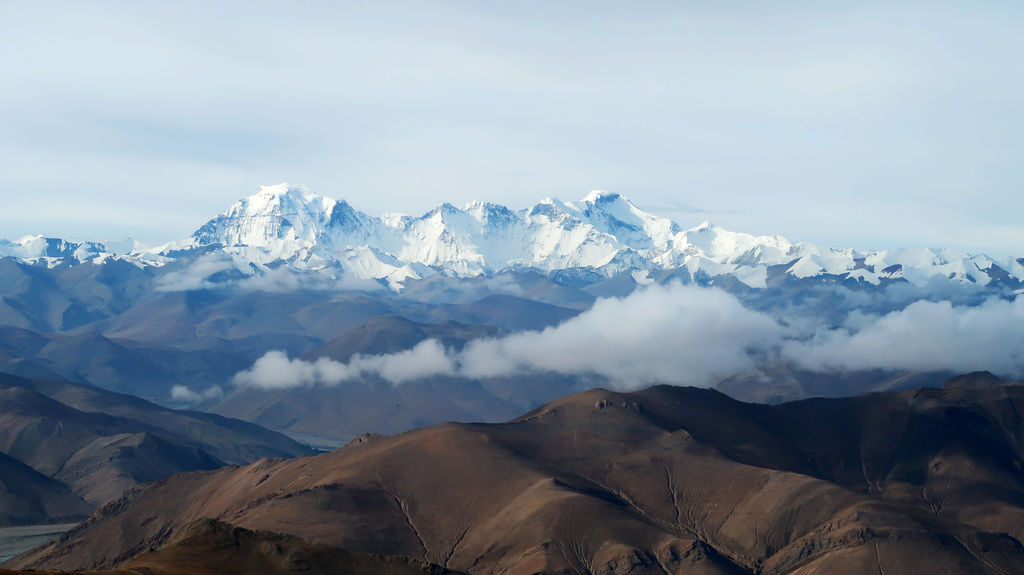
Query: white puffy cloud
x,y
668,334
275,370
926,336
184,393
428,358
690,335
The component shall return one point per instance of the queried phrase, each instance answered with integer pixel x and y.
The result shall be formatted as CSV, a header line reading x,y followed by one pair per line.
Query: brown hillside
x,y
676,480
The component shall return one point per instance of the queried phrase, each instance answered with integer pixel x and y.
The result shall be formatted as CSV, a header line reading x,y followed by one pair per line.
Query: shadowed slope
x,y
28,497
98,443
230,440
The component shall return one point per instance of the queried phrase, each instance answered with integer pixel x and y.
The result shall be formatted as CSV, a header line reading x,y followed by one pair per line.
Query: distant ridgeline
x,y
286,238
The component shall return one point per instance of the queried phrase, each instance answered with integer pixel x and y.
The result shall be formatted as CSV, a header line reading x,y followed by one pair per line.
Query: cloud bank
x,y
669,333
679,334
925,336
276,371
688,335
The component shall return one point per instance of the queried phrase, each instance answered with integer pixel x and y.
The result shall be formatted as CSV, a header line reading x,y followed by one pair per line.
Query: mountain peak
x,y
313,232
285,193
278,220
284,188
447,208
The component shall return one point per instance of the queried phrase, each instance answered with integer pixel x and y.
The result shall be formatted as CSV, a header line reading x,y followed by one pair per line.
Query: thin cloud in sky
x,y
825,123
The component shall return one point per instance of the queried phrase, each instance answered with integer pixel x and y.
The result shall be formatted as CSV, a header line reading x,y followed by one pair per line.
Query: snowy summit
x,y
603,233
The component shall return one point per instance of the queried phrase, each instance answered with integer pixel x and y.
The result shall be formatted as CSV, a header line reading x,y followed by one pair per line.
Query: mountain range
x,y
289,270
325,241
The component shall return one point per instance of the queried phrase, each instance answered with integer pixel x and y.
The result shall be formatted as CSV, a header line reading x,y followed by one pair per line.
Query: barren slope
x,y
667,479
98,443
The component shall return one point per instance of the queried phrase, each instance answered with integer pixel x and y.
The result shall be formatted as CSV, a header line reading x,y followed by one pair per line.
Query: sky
x,y
870,125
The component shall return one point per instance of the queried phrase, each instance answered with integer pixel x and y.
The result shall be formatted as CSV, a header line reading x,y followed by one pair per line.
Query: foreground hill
x,y
75,447
677,480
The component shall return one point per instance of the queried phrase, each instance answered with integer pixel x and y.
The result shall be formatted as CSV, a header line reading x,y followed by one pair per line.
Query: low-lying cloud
x,y
275,370
672,333
196,275
221,271
185,393
690,335
925,336
675,333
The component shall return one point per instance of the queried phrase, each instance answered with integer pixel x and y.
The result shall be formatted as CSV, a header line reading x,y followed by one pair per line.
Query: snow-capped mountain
x,y
56,251
289,223
603,233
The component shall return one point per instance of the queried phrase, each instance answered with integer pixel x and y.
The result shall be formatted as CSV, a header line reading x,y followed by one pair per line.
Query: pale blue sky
x,y
877,125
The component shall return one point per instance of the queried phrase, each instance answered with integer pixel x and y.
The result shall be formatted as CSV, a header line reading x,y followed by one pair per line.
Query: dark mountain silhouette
x,y
28,497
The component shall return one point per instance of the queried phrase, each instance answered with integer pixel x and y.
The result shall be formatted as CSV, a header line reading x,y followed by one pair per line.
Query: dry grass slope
x,y
664,480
